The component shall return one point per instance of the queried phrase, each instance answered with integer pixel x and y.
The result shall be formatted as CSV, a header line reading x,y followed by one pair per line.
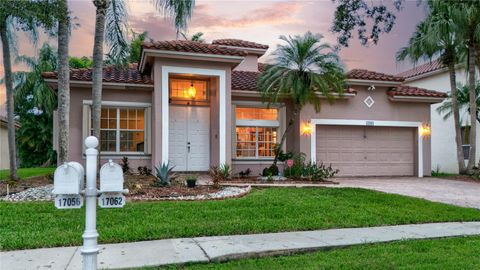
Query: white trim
x,y
416,99
120,103
258,123
370,82
348,122
166,70
246,49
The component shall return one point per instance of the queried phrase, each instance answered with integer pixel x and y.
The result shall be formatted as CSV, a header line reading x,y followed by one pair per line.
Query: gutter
x,y
416,99
112,85
370,82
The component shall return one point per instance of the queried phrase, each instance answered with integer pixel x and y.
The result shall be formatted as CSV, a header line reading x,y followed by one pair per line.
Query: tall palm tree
x,y
24,15
113,15
434,36
463,98
304,69
63,81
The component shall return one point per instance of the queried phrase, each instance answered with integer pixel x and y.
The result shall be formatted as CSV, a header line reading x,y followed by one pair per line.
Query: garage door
x,y
367,151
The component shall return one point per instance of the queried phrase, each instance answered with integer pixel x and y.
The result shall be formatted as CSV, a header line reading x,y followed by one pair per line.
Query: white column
x,y
90,248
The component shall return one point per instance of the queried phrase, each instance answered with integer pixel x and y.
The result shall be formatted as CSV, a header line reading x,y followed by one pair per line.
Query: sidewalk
x,y
217,248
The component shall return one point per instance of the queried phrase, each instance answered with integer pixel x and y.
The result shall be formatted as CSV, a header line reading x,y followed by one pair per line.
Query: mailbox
x,y
68,179
111,177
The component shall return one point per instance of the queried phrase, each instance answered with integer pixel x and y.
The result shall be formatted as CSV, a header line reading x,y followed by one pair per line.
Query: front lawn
x,y
451,253
39,224
27,172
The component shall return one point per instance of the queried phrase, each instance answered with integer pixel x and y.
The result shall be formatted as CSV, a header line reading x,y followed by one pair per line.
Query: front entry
x,y
189,138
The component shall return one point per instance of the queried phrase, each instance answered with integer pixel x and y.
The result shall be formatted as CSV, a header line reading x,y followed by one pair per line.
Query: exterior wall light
x,y
425,130
306,128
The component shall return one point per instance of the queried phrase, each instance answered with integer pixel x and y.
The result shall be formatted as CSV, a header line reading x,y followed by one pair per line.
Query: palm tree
x,y
114,12
24,15
304,70
434,36
463,98
197,37
63,81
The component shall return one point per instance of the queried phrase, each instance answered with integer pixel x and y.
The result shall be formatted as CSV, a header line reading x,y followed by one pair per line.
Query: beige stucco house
x,y
4,154
197,105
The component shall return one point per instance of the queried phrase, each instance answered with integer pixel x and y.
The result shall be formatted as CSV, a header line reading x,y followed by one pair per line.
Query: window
x,y
465,131
122,130
256,132
182,89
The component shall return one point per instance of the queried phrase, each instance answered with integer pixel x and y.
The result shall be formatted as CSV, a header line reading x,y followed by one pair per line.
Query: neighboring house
x,y
197,105
434,75
4,157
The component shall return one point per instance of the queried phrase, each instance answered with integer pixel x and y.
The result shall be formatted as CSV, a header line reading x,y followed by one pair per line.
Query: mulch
x,y
21,185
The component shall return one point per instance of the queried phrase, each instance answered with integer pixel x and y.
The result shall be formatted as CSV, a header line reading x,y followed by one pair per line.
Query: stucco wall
x,y
4,159
444,156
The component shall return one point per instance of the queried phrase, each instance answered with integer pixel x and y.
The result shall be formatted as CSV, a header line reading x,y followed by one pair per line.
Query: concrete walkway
x,y
206,249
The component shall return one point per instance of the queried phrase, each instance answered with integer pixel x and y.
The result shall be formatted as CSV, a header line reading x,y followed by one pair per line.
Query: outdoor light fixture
x,y
307,128
191,92
425,130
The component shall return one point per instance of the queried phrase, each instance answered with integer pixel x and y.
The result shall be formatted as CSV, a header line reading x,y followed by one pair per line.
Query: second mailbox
x,y
68,178
111,177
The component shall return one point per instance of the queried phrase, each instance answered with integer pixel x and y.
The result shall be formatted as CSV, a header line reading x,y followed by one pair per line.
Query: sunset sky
x,y
260,21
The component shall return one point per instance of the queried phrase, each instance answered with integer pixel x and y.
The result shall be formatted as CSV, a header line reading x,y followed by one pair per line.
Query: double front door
x,y
189,138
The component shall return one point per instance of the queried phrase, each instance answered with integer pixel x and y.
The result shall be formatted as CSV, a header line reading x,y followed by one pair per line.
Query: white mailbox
x,y
111,177
68,179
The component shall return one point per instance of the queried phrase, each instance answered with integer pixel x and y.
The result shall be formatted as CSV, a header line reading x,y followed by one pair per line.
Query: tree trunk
x,y
63,84
456,119
97,72
7,64
473,107
296,110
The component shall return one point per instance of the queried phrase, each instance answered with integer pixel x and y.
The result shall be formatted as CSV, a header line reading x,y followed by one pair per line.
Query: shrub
x,y
245,173
125,165
144,170
315,172
164,174
270,171
296,171
191,181
282,156
219,173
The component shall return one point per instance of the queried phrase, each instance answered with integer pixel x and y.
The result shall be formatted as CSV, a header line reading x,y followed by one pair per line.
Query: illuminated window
x,y
189,89
256,114
122,130
256,132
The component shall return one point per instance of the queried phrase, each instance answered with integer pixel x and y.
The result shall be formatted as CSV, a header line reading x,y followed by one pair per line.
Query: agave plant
x,y
164,174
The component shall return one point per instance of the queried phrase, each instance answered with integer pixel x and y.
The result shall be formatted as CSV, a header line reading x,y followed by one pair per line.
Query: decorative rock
x,y
43,193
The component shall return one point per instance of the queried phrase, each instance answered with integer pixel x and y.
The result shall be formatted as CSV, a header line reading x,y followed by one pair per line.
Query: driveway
x,y
466,194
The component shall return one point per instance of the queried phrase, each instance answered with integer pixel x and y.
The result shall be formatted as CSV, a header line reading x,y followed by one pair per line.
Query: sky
x,y
261,21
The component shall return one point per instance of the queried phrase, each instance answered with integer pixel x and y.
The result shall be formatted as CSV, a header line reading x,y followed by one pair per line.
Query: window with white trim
x,y
256,132
465,132
122,130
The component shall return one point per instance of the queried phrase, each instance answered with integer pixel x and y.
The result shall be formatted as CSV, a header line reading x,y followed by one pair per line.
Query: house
x,y
197,104
4,153
433,75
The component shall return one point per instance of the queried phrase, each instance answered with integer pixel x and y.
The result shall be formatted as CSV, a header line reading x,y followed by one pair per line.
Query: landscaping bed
x,y
39,224
263,180
22,185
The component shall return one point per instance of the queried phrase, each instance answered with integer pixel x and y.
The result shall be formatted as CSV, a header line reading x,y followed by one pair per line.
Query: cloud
x,y
270,15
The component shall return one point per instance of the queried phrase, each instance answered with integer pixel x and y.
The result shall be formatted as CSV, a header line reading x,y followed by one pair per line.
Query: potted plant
x,y
191,181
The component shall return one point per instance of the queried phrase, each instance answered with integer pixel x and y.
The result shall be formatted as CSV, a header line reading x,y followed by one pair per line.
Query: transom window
x,y
122,130
256,132
183,89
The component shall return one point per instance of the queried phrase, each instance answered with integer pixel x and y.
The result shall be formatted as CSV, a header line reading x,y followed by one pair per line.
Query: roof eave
x,y
110,85
250,93
370,82
426,74
416,99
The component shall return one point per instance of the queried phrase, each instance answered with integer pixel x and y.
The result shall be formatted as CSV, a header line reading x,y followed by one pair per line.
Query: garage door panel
x,y
367,151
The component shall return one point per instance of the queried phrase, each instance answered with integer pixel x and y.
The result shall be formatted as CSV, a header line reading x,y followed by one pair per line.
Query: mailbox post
x,y
69,180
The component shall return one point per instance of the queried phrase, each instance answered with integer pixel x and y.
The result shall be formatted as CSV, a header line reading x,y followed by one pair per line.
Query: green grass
x,y
39,224
451,253
24,173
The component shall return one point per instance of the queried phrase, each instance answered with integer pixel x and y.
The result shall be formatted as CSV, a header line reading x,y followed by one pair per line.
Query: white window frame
x,y
121,105
256,124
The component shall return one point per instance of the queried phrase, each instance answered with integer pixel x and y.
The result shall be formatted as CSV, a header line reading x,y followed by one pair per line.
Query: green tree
x,y
463,99
197,37
112,14
27,16
80,62
434,37
304,70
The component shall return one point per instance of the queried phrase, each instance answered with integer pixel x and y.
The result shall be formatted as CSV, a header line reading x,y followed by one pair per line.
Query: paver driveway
x,y
466,194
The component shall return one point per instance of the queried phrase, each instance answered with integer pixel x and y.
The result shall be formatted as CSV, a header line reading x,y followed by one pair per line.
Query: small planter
x,y
191,181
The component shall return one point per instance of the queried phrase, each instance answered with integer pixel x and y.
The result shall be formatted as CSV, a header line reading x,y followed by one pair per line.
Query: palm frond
x,y
116,30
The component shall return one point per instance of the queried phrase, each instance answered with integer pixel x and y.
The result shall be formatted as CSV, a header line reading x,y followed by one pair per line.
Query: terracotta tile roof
x,y
406,90
422,69
110,74
363,74
192,47
239,43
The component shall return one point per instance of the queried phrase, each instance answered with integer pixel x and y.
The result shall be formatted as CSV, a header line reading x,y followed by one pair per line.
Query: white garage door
x,y
367,151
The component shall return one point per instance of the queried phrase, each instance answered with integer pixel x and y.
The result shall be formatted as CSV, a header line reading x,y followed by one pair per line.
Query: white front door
x,y
189,138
